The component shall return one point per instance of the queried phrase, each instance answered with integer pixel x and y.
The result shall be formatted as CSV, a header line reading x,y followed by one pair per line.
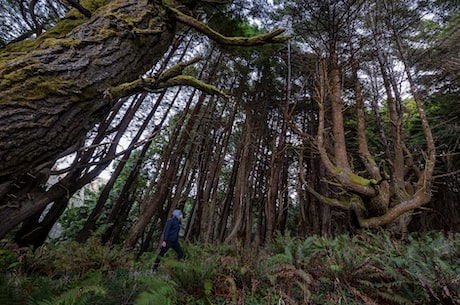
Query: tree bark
x,y
34,231
45,89
168,176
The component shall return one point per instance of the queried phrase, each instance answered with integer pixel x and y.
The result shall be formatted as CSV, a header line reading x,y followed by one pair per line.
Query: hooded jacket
x,y
172,230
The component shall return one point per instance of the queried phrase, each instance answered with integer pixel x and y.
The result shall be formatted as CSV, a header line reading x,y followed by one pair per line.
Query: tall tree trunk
x,y
168,177
284,200
34,231
229,201
126,198
275,208
90,223
221,137
340,149
242,182
378,204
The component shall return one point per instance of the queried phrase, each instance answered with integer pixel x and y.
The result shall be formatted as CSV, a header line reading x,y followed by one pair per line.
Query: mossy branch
x,y
186,80
172,77
177,69
272,37
83,10
327,200
321,198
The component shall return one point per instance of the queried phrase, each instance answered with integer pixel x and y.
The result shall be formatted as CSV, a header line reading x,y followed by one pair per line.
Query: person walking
x,y
171,238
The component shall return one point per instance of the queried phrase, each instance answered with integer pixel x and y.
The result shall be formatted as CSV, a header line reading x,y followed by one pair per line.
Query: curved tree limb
x,y
324,199
177,69
274,36
420,198
76,4
186,80
172,77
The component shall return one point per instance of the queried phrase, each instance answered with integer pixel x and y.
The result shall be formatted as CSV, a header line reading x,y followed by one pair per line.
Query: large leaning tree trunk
x,y
55,88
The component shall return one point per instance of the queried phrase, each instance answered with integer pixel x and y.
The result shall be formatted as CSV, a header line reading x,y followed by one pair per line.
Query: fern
x,y
435,267
284,276
81,291
159,292
75,296
367,268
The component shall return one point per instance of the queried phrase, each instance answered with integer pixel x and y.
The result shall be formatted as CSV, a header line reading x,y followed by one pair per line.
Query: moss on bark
x,y
46,83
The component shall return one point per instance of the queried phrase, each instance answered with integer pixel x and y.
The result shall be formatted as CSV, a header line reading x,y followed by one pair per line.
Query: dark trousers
x,y
175,245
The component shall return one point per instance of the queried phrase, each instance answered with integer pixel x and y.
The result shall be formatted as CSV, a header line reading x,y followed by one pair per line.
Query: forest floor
x,y
367,268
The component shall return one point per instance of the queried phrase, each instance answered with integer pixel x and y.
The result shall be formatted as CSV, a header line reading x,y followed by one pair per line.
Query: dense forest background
x,y
345,123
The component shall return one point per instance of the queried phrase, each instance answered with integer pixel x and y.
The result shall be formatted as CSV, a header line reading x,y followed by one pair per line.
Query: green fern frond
x,y
394,298
366,298
305,290
304,276
159,292
310,247
369,271
75,296
368,284
279,259
279,270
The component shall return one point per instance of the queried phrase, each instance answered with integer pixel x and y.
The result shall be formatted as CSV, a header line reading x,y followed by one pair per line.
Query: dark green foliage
x,y
75,216
375,269
65,273
158,292
368,268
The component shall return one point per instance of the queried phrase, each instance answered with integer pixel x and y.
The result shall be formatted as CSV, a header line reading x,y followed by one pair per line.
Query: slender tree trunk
x,y
272,194
397,156
316,171
228,202
216,166
126,198
275,191
282,215
90,223
426,177
35,231
242,183
304,224
168,177
376,205
340,151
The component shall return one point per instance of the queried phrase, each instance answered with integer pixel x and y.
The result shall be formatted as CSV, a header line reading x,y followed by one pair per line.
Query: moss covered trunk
x,y
53,90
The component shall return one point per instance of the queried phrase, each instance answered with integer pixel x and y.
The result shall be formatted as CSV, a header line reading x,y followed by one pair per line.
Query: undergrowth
x,y
367,268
